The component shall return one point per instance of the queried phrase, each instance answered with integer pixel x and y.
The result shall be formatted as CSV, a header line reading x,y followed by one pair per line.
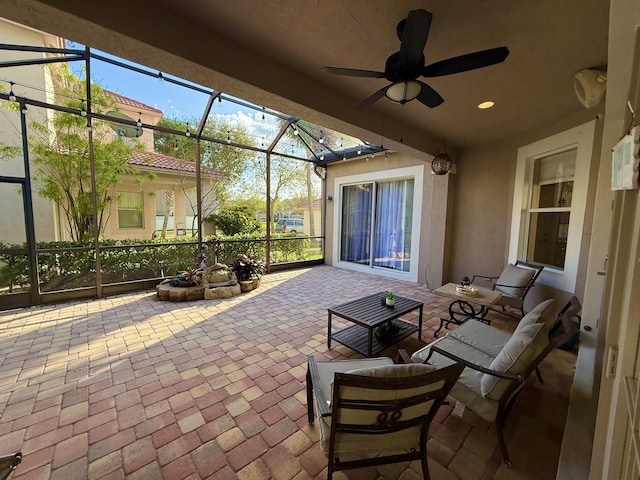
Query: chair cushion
x,y
401,440
467,388
487,339
393,371
512,359
517,278
327,370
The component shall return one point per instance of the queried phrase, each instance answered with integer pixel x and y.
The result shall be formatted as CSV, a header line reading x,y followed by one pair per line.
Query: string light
x,y
83,112
321,157
139,122
228,136
359,152
12,96
24,109
187,133
321,139
219,101
160,77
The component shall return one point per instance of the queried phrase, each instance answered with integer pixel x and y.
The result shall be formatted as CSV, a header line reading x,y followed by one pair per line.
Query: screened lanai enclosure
x,y
115,176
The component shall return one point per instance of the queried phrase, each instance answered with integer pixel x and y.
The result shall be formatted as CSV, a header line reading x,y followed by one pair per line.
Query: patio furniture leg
x,y
310,413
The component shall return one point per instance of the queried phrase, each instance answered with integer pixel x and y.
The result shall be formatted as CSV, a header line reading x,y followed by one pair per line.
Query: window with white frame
x,y
549,204
130,210
378,219
550,208
376,224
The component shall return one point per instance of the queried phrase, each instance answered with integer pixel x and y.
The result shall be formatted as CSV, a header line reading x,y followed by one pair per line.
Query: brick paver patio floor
x,y
131,387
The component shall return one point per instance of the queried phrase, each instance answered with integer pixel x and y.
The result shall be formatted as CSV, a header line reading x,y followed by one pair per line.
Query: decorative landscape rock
x,y
221,292
216,281
218,275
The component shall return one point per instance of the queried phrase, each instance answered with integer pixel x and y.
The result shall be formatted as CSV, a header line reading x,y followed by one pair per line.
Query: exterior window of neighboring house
x,y
130,210
377,221
549,204
550,208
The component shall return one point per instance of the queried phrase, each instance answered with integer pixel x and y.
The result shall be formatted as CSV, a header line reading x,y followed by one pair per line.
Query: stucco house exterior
x,y
133,212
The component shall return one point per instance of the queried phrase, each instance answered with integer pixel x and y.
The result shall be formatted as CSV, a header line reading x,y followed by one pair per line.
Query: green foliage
x,y
245,267
232,221
60,153
66,265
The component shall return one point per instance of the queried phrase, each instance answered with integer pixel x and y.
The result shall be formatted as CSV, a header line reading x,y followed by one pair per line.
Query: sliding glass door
x,y
376,224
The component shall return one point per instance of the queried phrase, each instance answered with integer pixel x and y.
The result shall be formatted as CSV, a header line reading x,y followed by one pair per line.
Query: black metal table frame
x,y
461,314
363,328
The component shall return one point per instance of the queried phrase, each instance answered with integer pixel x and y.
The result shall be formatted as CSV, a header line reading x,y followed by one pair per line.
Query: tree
x,y
286,176
230,161
59,150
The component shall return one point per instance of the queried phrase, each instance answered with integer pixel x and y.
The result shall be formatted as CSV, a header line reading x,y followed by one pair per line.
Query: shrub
x,y
233,221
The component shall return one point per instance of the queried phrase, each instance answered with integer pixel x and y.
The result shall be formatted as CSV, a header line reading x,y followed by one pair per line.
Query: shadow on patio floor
x,y
130,387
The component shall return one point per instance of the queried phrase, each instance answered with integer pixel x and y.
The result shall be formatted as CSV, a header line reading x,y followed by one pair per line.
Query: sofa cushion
x,y
516,279
545,313
487,339
512,359
528,319
393,371
456,347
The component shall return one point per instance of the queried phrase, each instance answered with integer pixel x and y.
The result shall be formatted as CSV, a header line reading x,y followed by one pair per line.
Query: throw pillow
x,y
509,356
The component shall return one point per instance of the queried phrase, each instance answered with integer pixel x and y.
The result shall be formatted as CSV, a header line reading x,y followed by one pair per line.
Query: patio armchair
x,y
498,364
513,283
8,464
373,412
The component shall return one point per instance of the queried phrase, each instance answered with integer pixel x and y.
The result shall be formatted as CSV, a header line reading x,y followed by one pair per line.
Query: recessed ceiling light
x,y
485,105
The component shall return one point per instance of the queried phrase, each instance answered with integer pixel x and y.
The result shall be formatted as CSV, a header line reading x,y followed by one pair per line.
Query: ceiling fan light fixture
x,y
403,92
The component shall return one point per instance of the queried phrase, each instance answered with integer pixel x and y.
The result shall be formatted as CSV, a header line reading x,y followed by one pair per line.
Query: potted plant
x,y
248,269
187,278
390,299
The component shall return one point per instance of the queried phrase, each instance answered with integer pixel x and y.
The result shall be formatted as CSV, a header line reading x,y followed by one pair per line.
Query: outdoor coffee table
x,y
461,309
369,313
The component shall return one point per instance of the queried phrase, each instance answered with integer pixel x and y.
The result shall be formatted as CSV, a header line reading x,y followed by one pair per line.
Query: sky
x,y
186,104
175,101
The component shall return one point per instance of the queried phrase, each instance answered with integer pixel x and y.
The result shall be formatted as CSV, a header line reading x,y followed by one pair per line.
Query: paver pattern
x,y
131,387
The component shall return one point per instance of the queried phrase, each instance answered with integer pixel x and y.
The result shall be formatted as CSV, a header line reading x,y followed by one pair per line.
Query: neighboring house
x,y
133,212
12,230
316,205
140,207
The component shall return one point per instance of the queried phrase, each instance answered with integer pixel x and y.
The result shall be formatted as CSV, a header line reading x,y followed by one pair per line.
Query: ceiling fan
x,y
404,67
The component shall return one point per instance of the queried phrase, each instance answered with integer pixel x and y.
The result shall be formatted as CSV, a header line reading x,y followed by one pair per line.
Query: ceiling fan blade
x,y
372,98
352,72
429,96
467,62
415,30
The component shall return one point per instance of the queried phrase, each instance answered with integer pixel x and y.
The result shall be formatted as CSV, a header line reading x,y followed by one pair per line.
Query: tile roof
x,y
133,103
165,162
317,203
